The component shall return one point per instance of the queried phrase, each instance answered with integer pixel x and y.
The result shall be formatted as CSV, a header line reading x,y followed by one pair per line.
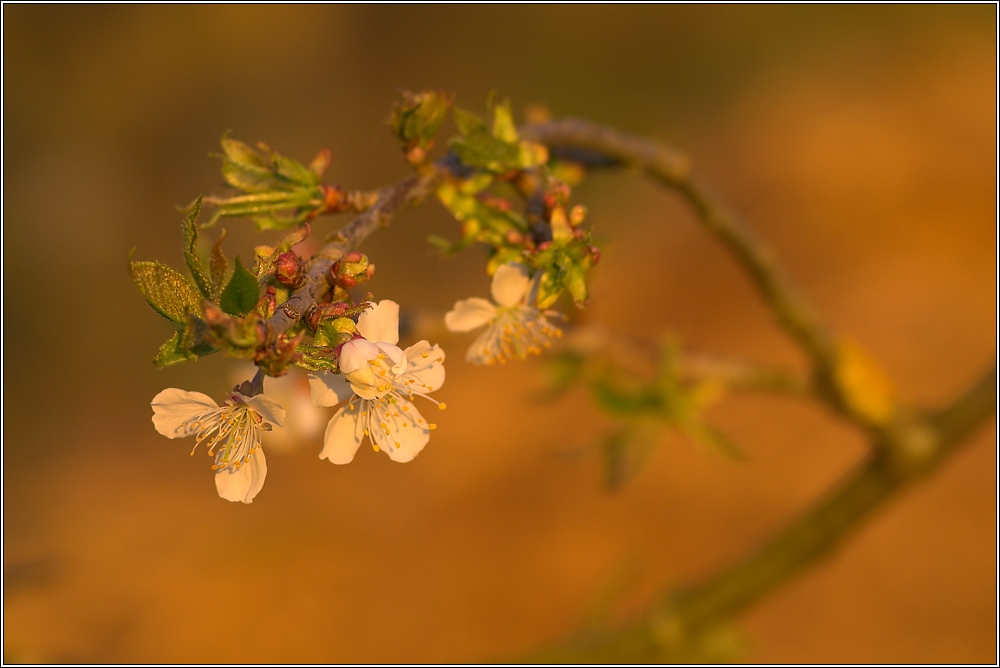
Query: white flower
x,y
304,421
232,433
379,382
514,326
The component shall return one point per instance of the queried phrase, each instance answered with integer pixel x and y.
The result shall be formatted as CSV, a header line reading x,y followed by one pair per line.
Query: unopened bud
x,y
350,270
268,302
513,237
594,254
417,155
344,326
288,270
320,313
556,195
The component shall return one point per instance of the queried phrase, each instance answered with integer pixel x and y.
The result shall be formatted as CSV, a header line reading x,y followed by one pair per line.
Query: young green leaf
x,y
241,294
294,171
467,122
503,123
167,291
240,153
186,344
217,267
194,264
417,118
173,352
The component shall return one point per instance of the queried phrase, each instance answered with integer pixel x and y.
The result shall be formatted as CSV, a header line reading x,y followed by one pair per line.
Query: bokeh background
x,y
861,141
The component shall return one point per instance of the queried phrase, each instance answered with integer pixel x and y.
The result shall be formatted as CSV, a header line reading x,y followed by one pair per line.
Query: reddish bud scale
x,y
513,237
288,270
417,155
320,163
268,302
325,312
334,199
494,202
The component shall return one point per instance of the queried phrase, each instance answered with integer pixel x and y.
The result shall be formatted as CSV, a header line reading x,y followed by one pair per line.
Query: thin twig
x,y
408,192
741,375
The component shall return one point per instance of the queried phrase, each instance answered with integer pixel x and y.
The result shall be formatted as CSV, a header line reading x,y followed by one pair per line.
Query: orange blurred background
x,y
861,141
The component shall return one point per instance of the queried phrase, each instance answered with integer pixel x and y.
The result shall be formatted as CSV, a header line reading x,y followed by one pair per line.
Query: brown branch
x,y
408,192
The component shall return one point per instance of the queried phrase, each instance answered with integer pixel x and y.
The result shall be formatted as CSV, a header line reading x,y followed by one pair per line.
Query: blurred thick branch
x,y
906,445
677,627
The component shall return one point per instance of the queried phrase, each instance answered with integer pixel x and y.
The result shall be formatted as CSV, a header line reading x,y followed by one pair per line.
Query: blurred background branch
x,y
906,443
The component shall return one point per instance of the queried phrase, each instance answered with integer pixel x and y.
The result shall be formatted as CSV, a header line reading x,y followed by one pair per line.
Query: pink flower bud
x,y
288,270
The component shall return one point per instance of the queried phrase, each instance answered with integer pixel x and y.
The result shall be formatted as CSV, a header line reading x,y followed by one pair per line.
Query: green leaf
x,y
194,265
503,123
467,122
241,294
217,267
173,352
576,283
167,291
625,451
417,119
621,401
481,149
185,345
241,153
495,147
248,178
294,171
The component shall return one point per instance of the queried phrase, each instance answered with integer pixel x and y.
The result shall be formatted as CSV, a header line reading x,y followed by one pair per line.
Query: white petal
x,y
426,366
510,284
328,389
344,434
173,407
381,322
396,355
243,483
469,314
406,437
354,355
269,409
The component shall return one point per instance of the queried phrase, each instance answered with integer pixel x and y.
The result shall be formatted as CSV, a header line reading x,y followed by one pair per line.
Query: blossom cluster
x,y
377,385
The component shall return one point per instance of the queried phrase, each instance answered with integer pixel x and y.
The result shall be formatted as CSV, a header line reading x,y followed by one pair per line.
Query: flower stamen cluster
x,y
379,382
515,327
231,433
